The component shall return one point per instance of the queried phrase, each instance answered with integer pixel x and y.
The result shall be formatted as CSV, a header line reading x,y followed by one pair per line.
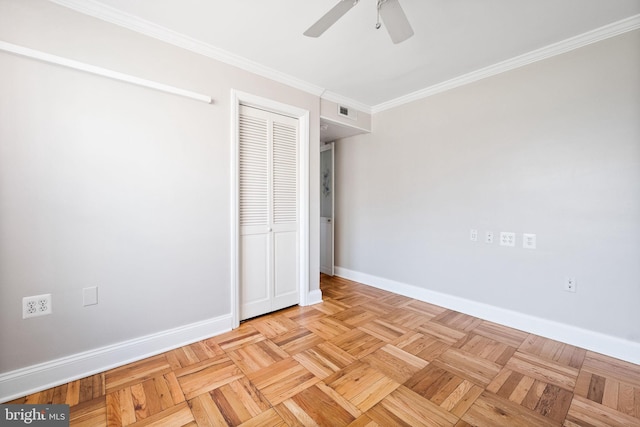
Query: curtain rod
x,y
76,65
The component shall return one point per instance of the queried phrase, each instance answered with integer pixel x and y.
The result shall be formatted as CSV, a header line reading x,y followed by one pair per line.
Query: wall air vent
x,y
347,112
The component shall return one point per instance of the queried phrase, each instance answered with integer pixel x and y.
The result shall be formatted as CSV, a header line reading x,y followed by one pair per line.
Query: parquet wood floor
x,y
363,357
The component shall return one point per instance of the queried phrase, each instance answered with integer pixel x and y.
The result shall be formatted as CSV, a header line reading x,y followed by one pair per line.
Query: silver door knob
x,y
269,229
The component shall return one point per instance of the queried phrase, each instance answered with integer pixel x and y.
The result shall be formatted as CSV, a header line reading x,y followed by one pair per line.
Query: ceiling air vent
x,y
347,112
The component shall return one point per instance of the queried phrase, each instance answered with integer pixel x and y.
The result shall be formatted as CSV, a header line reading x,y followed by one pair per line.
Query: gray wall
x,y
552,148
107,184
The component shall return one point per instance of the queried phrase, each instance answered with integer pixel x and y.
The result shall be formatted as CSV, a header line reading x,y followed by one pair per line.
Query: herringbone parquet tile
x,y
363,357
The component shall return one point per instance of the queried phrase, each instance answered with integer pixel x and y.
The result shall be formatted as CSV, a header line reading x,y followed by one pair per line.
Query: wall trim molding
x,y
99,71
590,340
315,297
148,28
611,30
42,376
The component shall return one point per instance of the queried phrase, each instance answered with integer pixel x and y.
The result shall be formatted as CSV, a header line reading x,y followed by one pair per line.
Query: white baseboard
x,y
31,379
314,297
595,341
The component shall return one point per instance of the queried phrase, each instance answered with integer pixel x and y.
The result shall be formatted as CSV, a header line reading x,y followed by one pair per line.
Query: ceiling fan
x,y
391,12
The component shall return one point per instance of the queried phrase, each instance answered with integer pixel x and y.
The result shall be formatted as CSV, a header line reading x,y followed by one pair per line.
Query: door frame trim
x,y
332,146
237,98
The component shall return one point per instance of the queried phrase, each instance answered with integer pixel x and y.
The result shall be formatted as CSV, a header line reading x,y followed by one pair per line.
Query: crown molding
x,y
109,14
142,26
593,36
343,100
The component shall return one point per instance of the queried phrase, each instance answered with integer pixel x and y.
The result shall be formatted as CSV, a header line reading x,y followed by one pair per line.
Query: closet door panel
x,y
285,173
255,292
254,171
268,198
285,269
285,212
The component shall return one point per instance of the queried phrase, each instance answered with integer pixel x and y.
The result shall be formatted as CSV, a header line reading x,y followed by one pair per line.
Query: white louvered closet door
x,y
268,169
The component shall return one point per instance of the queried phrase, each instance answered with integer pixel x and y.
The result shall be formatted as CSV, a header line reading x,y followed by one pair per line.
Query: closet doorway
x,y
270,207
327,222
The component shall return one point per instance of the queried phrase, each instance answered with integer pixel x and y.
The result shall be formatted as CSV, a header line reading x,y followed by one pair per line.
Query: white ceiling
x,y
354,61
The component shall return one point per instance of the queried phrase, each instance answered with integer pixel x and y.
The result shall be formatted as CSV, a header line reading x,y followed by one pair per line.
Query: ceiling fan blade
x,y
396,21
330,18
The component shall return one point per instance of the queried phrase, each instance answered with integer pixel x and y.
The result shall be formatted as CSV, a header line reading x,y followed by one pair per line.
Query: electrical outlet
x,y
473,235
488,238
507,239
570,284
529,241
37,305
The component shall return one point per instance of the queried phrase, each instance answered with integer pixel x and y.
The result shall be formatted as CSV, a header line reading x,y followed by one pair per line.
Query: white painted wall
x,y
552,149
107,184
